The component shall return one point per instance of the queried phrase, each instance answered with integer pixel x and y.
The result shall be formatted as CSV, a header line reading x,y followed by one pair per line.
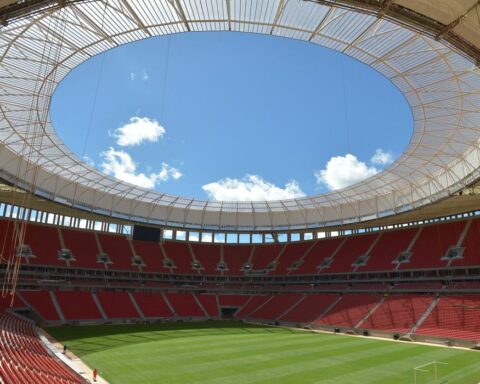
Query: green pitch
x,y
235,353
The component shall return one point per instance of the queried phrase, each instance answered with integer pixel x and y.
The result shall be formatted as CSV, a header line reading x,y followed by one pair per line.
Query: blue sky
x,y
231,116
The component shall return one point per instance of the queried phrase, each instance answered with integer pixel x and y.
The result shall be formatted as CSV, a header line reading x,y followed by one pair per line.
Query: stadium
x,y
376,282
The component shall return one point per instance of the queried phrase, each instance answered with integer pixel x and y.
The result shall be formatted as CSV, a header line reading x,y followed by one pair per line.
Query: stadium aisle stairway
x,y
275,307
83,246
433,244
310,308
209,256
185,305
235,258
152,304
456,317
117,305
349,311
350,251
398,313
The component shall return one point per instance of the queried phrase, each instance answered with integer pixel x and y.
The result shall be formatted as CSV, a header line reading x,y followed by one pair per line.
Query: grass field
x,y
235,353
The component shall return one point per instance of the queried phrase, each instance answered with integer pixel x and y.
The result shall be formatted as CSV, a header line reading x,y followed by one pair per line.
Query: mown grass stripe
x,y
235,353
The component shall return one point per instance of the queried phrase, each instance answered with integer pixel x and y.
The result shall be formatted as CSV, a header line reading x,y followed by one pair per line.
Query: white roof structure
x,y
426,48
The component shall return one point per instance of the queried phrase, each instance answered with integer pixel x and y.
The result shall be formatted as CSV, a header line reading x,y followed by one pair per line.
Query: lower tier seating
x,y
447,316
456,317
24,359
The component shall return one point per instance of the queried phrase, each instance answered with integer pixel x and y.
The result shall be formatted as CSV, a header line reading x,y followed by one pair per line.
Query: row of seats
x,y
423,247
450,316
23,358
105,305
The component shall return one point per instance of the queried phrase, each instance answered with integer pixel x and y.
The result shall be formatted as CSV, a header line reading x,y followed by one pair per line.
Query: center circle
x,y
222,112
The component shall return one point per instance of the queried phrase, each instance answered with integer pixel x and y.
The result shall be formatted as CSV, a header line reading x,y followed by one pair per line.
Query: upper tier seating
x,y
349,252
83,246
429,244
45,244
264,255
152,256
433,244
25,360
118,250
313,258
290,257
235,257
180,254
456,317
387,249
209,256
471,253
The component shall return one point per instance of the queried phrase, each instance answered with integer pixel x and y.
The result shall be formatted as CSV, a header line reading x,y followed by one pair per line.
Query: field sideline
x,y
234,353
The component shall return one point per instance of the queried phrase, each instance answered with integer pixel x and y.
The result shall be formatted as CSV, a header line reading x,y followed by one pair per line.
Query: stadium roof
x,y
428,49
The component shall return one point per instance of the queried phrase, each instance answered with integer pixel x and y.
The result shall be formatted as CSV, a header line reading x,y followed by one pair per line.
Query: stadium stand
x,y
374,295
209,257
353,248
185,305
289,260
77,305
119,251
398,313
45,244
24,359
455,317
276,307
387,249
264,256
432,245
153,305
319,252
180,255
83,246
349,311
152,255
309,309
235,257
210,305
42,303
117,305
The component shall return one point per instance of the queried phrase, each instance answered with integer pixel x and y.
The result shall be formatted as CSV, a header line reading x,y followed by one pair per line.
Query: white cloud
x,y
382,158
120,164
87,159
251,188
143,75
137,131
342,171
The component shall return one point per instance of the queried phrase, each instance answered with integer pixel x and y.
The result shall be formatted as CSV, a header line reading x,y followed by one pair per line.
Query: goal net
x,y
429,373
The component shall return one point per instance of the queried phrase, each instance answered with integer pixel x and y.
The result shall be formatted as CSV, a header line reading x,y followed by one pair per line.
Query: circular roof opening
x,y
231,116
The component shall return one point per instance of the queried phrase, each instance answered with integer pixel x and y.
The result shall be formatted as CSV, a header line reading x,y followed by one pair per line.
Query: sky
x,y
231,116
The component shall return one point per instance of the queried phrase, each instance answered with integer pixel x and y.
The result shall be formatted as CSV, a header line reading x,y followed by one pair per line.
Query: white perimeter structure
x,y
426,48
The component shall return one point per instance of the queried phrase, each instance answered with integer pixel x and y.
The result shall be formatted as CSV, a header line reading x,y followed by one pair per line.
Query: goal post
x,y
428,368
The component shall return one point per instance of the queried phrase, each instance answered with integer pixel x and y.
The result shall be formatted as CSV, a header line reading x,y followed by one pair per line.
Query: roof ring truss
x,y
428,56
